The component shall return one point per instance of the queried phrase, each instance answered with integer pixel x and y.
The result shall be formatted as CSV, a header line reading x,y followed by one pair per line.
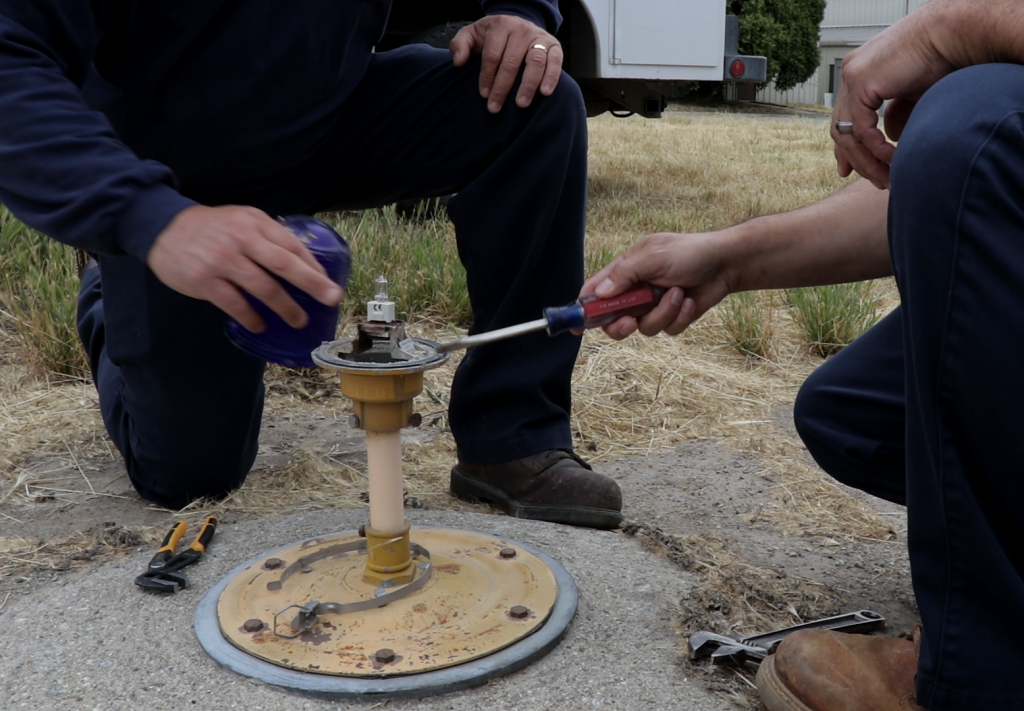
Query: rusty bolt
x,y
253,625
415,419
507,552
384,656
519,612
273,563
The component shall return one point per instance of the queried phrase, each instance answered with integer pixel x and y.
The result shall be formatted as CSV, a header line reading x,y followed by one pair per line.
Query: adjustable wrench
x,y
755,648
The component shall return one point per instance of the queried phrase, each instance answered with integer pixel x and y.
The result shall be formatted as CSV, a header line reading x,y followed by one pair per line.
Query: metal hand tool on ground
x,y
586,312
755,648
163,574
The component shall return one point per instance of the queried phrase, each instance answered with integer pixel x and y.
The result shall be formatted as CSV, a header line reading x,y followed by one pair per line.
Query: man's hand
x,y
899,65
690,265
505,43
215,253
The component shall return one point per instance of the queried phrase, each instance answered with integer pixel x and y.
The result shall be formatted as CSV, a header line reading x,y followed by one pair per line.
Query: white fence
x,y
806,93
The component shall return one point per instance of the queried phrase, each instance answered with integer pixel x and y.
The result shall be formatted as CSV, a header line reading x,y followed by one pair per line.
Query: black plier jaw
x,y
163,572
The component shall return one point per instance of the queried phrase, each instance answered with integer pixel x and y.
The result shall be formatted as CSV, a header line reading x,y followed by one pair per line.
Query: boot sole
x,y
774,694
472,490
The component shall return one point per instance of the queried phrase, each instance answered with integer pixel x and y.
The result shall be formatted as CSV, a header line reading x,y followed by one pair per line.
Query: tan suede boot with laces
x,y
819,670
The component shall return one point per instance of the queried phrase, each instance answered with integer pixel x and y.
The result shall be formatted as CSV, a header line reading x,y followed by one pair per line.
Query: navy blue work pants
x,y
927,408
184,406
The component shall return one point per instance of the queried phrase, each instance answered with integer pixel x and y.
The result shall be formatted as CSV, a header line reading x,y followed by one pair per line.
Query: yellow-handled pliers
x,y
163,574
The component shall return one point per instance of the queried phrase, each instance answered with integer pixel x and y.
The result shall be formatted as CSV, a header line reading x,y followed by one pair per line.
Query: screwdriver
x,y
586,312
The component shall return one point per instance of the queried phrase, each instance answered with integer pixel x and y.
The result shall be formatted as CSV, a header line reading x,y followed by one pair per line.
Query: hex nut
x,y
253,625
507,553
384,656
273,563
519,612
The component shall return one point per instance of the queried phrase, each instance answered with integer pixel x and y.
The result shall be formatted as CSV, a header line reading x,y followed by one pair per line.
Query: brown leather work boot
x,y
819,670
554,486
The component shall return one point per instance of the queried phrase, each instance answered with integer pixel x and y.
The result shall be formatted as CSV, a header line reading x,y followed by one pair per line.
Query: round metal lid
x,y
405,686
483,595
410,355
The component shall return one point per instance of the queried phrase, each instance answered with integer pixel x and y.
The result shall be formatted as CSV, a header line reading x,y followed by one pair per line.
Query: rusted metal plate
x,y
483,595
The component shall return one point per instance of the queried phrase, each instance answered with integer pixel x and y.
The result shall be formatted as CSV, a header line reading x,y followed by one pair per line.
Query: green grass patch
x,y
38,295
746,319
418,257
831,317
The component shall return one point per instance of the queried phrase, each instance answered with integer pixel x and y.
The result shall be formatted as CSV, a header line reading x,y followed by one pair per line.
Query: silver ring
x,y
541,47
844,127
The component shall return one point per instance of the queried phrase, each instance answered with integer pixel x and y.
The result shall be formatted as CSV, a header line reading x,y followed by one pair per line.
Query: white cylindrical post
x,y
384,467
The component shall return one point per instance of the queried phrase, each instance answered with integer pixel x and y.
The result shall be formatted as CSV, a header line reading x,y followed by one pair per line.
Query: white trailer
x,y
627,55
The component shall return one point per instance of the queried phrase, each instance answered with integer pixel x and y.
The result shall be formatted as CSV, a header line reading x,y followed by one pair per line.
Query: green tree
x,y
784,31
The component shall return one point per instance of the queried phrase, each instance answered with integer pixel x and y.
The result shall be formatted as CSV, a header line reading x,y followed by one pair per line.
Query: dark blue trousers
x,y
927,408
184,406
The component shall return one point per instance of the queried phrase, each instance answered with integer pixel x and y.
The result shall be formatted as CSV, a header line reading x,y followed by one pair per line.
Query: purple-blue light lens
x,y
279,342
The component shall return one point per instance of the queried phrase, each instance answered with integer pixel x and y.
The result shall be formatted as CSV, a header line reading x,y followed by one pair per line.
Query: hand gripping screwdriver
x,y
586,312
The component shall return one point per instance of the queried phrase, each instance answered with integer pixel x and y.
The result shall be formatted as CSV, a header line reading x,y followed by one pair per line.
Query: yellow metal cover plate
x,y
462,613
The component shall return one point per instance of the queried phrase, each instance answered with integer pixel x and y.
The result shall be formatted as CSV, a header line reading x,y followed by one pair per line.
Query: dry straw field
x,y
690,171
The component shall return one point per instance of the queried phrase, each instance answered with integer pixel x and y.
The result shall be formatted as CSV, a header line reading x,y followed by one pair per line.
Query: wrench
x,y
755,648
862,621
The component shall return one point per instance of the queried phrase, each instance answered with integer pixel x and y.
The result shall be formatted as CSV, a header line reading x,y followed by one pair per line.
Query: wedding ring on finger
x,y
844,127
541,47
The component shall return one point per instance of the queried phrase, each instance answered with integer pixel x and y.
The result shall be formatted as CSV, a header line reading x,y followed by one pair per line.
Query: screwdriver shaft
x,y
491,336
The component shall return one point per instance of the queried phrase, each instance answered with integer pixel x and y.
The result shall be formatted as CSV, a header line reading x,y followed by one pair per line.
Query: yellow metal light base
x,y
382,401
388,557
483,596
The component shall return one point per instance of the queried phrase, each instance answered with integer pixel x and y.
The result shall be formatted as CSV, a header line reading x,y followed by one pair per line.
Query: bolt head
x,y
353,421
507,553
253,625
519,612
273,563
384,656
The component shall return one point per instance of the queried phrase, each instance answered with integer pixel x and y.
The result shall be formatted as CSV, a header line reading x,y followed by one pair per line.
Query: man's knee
x,y
569,96
850,412
179,475
960,114
831,438
812,412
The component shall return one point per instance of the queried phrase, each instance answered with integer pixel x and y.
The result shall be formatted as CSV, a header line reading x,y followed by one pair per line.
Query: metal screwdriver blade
x,y
499,334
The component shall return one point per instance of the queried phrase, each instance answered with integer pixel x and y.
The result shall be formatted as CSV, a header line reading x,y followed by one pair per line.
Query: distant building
x,y
847,25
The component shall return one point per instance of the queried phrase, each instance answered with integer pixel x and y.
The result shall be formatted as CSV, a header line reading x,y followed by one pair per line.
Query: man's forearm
x,y
839,239
970,32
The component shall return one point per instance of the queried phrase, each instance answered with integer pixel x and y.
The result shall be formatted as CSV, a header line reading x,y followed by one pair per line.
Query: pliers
x,y
163,574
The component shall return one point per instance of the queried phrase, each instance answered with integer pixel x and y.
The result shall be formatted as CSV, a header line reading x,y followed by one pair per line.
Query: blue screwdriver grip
x,y
564,318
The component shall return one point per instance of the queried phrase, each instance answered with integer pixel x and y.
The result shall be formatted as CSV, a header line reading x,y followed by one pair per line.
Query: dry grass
x,y
686,172
21,556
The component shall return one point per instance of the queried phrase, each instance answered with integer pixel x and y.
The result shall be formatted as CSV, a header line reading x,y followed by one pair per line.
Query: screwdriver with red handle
x,y
586,312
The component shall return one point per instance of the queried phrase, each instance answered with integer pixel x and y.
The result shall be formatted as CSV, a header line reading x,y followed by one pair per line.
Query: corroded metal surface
x,y
369,353
477,602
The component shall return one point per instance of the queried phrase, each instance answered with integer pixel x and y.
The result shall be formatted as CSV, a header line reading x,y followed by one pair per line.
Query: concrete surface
x,y
95,641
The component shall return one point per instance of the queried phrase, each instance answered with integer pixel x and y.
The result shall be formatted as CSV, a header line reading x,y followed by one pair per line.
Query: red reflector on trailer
x,y
737,68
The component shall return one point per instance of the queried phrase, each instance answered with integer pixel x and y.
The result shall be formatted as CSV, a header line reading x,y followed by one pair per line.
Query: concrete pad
x,y
96,641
